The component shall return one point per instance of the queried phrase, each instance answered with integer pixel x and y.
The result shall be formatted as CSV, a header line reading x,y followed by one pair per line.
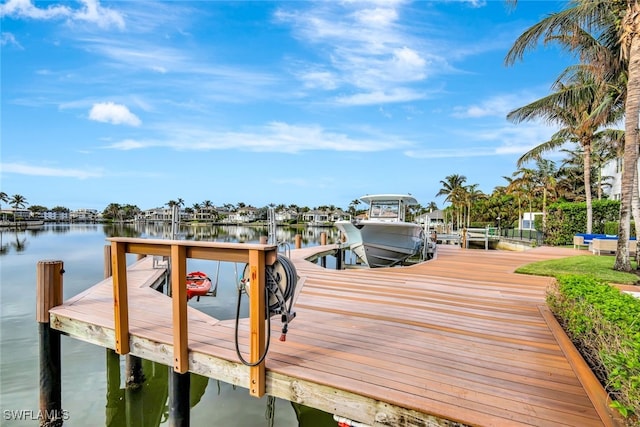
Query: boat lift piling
x,y
48,295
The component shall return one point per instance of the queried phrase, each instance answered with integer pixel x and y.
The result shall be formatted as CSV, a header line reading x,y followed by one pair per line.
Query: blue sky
x,y
295,102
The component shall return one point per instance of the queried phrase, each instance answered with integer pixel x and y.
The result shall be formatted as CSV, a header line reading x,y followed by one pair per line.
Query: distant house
x,y
286,215
17,213
316,217
613,170
243,215
324,217
434,218
339,215
206,214
162,214
528,220
61,216
84,215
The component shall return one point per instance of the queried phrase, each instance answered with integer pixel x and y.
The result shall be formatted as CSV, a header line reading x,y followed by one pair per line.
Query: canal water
x,y
93,392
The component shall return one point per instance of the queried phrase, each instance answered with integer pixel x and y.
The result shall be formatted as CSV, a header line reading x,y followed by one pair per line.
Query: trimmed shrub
x,y
565,220
603,324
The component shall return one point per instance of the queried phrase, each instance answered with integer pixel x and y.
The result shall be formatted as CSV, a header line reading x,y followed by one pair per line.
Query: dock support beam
x,y
179,386
48,295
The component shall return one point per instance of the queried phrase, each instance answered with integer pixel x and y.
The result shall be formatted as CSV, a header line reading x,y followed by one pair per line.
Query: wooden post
x,y
179,388
134,375
120,302
179,303
323,241
339,255
257,329
298,241
264,240
108,271
48,295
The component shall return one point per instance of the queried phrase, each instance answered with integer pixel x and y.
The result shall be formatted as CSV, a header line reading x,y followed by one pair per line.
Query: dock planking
x,y
461,338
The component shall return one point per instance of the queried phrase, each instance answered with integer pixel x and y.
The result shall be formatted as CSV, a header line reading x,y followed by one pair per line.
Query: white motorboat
x,y
384,238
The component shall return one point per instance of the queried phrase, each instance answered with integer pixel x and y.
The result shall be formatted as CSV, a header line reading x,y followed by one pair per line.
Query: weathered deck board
x,y
459,338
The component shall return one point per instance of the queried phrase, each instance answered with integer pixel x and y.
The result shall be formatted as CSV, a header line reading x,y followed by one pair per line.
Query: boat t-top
x,y
384,238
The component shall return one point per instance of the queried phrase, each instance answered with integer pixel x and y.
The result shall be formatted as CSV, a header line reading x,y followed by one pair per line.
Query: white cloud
x,y
443,153
381,97
365,47
8,38
116,114
103,17
22,169
91,11
273,137
496,106
26,9
130,144
319,79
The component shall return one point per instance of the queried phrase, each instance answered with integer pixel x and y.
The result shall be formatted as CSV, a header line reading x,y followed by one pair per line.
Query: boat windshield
x,y
384,210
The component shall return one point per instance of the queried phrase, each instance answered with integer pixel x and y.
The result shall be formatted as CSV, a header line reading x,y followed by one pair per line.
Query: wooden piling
x,y
179,409
298,241
48,295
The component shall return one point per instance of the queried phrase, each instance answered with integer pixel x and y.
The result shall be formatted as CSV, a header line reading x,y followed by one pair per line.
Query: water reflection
x,y
147,404
219,233
15,240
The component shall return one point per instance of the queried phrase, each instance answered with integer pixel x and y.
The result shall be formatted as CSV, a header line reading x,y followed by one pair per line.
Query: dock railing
x,y
258,256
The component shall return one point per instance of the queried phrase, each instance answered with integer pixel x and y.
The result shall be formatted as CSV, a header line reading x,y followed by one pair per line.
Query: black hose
x,y
266,349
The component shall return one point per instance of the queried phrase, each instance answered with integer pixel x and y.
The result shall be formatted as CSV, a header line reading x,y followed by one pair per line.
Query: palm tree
x,y
18,201
431,206
546,175
353,207
523,183
575,106
618,24
472,196
452,187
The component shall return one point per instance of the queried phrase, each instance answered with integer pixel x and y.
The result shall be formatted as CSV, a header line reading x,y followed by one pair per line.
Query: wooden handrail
x,y
258,256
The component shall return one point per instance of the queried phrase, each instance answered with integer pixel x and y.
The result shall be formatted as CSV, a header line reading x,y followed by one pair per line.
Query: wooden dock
x,y
459,339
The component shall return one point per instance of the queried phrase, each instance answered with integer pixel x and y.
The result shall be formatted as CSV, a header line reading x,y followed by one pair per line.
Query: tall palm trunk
x,y
587,184
635,211
630,159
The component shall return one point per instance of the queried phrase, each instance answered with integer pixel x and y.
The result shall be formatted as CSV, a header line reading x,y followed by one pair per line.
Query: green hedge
x,y
611,227
604,324
565,220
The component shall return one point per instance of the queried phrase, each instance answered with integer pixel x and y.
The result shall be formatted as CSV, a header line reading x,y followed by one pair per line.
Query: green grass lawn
x,y
600,267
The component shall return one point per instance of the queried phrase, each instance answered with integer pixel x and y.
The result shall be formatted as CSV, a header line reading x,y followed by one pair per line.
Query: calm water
x,y
92,390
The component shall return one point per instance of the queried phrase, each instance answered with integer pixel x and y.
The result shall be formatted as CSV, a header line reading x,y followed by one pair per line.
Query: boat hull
x,y
382,244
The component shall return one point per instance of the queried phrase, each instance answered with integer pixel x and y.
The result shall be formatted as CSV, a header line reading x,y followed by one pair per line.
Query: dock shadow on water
x,y
146,405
